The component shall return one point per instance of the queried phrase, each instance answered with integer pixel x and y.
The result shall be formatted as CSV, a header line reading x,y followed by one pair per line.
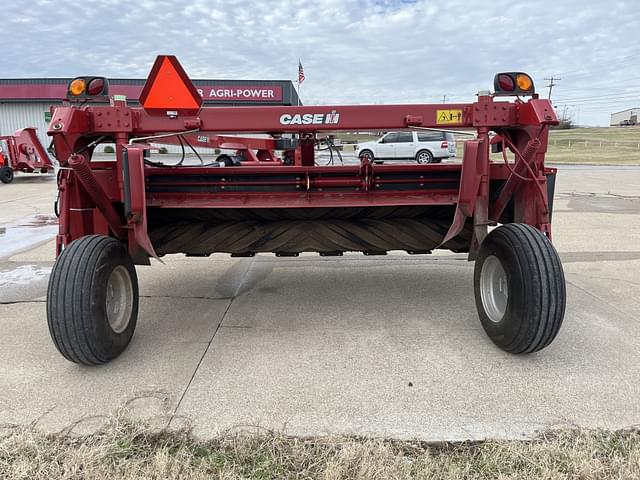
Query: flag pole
x,y
300,79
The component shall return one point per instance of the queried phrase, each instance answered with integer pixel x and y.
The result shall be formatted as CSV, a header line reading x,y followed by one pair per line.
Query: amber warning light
x,y
168,90
88,88
513,83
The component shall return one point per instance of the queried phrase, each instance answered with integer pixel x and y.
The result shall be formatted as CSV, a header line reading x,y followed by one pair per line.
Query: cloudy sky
x,y
359,51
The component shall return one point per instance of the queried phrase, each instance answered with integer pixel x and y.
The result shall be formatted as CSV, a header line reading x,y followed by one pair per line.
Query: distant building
x,y
625,117
26,102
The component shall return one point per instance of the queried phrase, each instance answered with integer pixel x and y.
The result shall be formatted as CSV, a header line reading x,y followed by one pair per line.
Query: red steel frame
x,y
112,197
25,152
254,151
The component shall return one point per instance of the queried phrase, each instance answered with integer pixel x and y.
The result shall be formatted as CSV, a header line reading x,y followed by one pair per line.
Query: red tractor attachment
x,y
24,153
114,214
249,151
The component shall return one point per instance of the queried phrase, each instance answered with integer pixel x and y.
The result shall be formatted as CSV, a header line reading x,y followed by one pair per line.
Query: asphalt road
x,y
384,346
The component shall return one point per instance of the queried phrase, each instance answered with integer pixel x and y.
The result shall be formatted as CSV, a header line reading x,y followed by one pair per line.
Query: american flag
x,y
300,72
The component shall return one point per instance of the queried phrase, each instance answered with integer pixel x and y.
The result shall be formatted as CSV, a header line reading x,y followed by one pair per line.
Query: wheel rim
x,y
494,290
423,157
119,299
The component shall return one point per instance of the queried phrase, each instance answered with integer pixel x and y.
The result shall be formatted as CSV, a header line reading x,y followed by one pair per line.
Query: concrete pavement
x,y
385,346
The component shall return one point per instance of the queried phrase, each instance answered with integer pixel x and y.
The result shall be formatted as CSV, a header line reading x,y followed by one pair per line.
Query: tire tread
x,y
543,279
69,315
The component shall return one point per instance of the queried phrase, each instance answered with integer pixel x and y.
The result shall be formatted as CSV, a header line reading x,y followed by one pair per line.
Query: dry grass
x,y
605,146
597,146
125,450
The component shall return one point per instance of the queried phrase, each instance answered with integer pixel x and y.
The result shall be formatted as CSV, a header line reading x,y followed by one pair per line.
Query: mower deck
x,y
115,214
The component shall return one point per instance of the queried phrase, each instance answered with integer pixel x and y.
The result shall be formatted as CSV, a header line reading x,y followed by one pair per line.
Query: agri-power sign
x,y
247,94
210,93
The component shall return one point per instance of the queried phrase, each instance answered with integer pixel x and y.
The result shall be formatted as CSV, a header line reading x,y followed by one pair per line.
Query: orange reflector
x,y
524,82
168,88
77,87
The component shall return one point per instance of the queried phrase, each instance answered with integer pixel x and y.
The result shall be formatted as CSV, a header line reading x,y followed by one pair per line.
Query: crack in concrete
x,y
187,297
206,350
590,257
23,301
582,289
575,194
594,277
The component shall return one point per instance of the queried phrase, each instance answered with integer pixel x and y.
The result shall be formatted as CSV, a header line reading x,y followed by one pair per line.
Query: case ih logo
x,y
310,118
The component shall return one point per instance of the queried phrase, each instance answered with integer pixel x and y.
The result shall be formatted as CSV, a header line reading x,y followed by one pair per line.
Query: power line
x,y
564,111
551,84
597,99
605,101
596,66
631,90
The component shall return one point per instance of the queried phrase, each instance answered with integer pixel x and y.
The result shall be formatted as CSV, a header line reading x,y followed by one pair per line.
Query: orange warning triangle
x,y
169,88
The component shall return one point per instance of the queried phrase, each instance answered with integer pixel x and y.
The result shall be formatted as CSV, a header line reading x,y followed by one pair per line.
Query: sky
x,y
353,52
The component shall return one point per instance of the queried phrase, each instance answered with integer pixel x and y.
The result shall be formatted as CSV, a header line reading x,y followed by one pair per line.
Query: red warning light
x,y
168,89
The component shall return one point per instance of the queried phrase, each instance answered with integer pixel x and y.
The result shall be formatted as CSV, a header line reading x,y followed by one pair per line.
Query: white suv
x,y
428,146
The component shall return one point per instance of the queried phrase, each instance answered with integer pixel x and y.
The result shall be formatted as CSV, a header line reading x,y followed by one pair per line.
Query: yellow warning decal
x,y
446,117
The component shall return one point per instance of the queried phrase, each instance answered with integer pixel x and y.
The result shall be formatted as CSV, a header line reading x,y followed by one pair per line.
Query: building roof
x,y
626,110
214,91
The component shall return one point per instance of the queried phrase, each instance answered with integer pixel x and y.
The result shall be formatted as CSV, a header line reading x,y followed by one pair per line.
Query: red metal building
x,y
25,102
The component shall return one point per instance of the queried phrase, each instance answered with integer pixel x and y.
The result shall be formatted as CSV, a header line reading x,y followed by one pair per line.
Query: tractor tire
x,y
92,300
519,288
366,154
226,159
6,174
424,156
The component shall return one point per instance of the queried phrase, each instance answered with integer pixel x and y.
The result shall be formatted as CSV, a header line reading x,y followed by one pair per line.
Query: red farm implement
x,y
114,214
247,151
24,153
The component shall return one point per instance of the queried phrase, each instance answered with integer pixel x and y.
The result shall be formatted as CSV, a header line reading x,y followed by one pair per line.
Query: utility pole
x,y
444,99
551,84
565,111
